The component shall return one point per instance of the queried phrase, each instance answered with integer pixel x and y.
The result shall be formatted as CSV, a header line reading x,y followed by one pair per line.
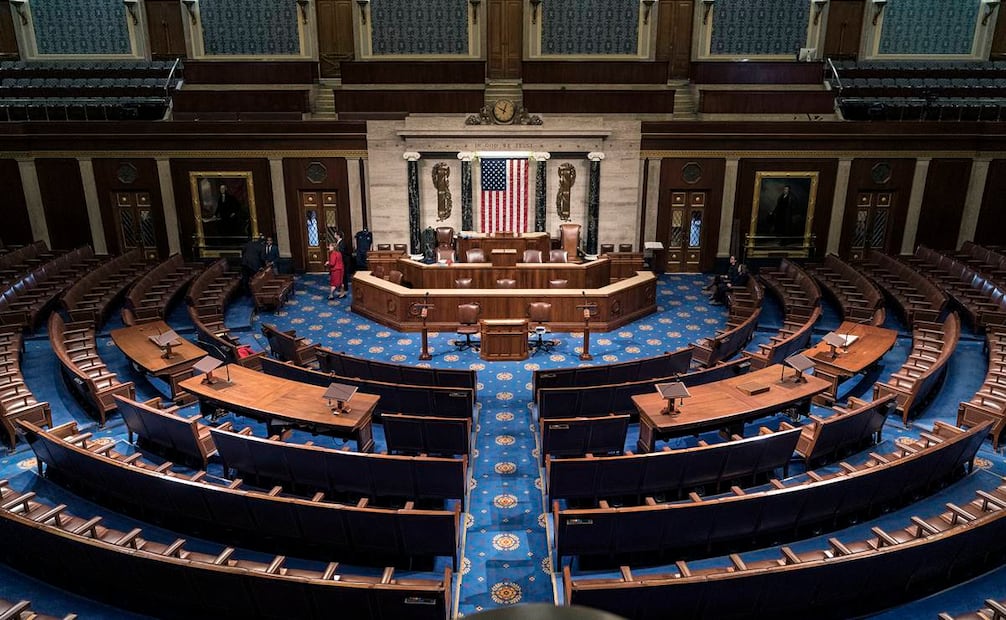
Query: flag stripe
x,y
504,196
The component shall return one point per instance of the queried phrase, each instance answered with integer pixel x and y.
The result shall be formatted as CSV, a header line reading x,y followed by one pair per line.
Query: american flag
x,y
504,195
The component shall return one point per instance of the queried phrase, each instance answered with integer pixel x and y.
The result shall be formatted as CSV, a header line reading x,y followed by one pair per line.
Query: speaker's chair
x,y
540,315
569,238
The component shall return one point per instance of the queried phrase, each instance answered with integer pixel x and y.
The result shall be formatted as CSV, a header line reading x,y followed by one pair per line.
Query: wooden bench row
x,y
219,340
215,285
269,289
838,580
273,520
980,297
859,298
993,610
742,519
17,262
926,366
916,296
16,400
25,301
745,309
83,369
287,347
645,369
792,285
848,427
801,300
164,578
21,610
149,297
346,365
984,260
989,402
91,298
310,468
599,435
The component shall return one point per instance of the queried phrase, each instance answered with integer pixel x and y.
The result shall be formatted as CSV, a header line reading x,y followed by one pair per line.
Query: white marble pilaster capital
x,y
542,156
411,156
464,155
595,156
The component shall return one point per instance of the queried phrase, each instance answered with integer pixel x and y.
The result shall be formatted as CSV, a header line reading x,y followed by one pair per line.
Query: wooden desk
x,y
503,257
503,340
593,274
526,241
134,342
870,346
281,402
722,405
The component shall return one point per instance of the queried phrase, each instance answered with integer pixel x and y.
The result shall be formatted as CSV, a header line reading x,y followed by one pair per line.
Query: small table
x,y
135,343
726,404
282,402
503,340
869,347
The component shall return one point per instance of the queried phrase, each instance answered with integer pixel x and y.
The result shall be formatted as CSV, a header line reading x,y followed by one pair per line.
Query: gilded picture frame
x,y
224,206
782,214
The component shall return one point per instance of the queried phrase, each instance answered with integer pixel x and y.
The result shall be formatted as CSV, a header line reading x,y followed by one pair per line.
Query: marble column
x,y
973,202
540,183
838,205
33,200
282,234
467,215
415,243
915,205
727,210
93,204
169,205
593,201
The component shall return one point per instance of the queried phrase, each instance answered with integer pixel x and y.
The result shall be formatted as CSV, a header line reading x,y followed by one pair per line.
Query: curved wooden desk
x,y
592,274
618,303
135,343
845,362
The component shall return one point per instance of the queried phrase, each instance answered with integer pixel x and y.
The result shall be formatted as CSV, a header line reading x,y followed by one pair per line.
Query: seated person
x,y
737,277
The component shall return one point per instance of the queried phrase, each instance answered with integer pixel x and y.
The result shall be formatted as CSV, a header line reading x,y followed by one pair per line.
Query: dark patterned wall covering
x,y
250,27
581,27
929,26
80,27
419,27
759,27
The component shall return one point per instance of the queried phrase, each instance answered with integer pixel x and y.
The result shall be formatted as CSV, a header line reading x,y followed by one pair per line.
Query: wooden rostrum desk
x,y
593,274
869,347
503,340
135,343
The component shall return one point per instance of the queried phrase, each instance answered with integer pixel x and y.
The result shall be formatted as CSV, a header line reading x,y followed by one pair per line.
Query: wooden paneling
x,y
8,40
711,182
505,39
766,102
63,201
861,179
164,29
16,225
250,72
757,72
826,169
674,36
414,72
264,104
943,203
844,28
594,72
296,181
335,35
998,51
600,101
992,218
107,181
429,101
180,169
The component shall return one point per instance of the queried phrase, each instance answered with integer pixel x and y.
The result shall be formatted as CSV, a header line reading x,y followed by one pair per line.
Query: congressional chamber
x,y
395,309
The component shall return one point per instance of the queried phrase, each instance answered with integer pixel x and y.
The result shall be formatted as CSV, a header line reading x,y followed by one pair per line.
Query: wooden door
x,y
165,30
505,38
321,216
845,24
135,223
683,237
674,37
871,224
8,40
335,35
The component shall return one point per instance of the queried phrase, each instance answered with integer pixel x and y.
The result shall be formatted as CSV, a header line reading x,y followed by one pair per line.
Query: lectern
x,y
503,340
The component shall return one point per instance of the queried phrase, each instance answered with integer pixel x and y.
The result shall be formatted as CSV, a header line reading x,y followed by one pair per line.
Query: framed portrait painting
x,y
782,216
224,205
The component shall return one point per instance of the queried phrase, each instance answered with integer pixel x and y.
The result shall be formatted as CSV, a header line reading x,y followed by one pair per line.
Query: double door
x,y
135,223
683,237
871,223
321,217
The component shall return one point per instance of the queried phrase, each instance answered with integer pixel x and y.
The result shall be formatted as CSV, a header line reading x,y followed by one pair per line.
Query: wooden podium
x,y
503,340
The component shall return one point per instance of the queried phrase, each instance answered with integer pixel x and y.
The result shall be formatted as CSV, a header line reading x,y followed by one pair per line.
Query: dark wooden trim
x,y
595,72
782,72
600,101
16,223
413,72
250,72
766,102
645,192
363,193
943,203
63,202
992,217
427,101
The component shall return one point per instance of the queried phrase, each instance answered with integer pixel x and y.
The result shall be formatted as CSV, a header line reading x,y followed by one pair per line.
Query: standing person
x,y
336,270
271,255
252,259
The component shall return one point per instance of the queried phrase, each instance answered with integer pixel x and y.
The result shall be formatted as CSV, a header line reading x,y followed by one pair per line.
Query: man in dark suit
x,y
271,255
252,259
229,213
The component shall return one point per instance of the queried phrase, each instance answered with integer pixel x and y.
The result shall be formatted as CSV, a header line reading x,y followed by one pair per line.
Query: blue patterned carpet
x,y
505,557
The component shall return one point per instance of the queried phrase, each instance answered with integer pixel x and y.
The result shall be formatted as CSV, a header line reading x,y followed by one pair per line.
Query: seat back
x,y
463,283
558,256
468,314
506,283
475,255
558,283
532,256
395,276
539,312
569,238
445,253
445,237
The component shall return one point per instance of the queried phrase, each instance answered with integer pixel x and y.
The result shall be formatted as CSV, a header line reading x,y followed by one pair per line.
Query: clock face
x,y
504,110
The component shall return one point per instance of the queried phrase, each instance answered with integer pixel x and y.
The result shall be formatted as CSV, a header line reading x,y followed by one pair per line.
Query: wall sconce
x,y
475,10
990,8
708,5
19,6
818,9
647,7
131,7
363,10
190,6
534,10
878,8
303,4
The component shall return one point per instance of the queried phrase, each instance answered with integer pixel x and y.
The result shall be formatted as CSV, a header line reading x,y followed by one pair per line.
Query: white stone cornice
x,y
411,156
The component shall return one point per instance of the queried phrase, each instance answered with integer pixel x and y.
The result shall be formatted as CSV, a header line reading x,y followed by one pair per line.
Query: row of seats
x,y
745,310
149,297
274,520
837,580
76,348
16,400
981,298
165,578
478,255
993,610
345,365
287,347
917,297
24,109
21,610
801,300
784,510
926,366
162,429
953,109
598,435
92,296
645,369
420,435
17,261
270,290
989,402
983,259
25,300
207,299
69,68
859,299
